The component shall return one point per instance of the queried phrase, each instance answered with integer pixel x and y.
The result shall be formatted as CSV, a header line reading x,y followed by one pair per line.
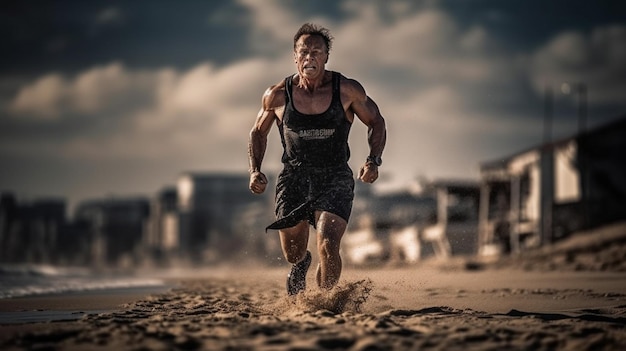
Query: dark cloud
x,y
107,96
69,36
524,25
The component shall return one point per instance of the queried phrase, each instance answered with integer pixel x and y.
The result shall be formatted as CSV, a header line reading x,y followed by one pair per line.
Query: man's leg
x,y
294,242
330,229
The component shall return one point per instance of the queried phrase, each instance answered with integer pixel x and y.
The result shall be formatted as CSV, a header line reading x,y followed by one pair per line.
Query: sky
x,y
119,98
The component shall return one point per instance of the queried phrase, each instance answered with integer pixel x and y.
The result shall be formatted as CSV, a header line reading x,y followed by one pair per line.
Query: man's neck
x,y
311,84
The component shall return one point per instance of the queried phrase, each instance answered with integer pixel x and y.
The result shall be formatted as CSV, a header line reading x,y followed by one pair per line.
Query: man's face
x,y
310,55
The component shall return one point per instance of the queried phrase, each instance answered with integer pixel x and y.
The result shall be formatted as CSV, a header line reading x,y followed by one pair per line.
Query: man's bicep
x,y
360,103
367,111
264,121
267,114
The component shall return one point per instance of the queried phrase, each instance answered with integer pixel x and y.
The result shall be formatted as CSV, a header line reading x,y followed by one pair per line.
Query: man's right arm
x,y
258,140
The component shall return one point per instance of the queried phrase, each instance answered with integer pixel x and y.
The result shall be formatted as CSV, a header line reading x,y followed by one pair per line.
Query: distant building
x,y
217,217
31,232
399,209
162,235
455,231
404,226
115,228
545,193
9,235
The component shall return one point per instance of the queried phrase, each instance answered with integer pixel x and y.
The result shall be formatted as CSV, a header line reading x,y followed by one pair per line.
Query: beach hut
x,y
546,193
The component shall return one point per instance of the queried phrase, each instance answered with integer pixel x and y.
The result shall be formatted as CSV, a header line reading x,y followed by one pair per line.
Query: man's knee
x,y
294,242
295,255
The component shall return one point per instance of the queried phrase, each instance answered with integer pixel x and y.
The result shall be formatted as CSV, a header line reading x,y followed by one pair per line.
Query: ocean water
x,y
36,280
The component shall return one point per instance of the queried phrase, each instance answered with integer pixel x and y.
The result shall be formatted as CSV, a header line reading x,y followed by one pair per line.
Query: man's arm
x,y
376,128
257,142
367,111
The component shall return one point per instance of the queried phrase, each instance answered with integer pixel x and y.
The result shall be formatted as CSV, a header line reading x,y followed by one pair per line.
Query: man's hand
x,y
258,182
368,172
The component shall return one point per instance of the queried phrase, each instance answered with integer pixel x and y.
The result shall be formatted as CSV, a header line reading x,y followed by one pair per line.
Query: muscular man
x,y
314,110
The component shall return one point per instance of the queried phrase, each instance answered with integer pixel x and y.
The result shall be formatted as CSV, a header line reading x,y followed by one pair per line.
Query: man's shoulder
x,y
350,85
276,88
274,96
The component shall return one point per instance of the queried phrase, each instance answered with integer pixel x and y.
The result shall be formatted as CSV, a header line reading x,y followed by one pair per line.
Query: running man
x,y
314,110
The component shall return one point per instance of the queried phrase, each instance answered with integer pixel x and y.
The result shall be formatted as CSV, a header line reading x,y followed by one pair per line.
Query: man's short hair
x,y
313,29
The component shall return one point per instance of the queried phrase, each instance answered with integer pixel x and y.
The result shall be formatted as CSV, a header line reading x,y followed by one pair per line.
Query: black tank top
x,y
317,140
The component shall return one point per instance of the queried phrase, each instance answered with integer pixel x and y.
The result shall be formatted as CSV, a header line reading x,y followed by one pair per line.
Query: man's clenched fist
x,y
258,182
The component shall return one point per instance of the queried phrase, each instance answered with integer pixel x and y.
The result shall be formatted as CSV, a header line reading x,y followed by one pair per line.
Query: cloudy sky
x,y
117,98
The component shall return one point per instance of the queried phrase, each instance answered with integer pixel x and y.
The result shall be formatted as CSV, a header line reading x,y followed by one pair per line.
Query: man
x,y
314,110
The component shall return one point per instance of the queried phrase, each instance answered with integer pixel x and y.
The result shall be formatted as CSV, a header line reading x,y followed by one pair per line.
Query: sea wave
x,y
39,270
36,280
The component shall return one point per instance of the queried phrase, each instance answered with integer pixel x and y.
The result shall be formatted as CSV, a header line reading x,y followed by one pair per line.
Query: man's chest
x,y
312,103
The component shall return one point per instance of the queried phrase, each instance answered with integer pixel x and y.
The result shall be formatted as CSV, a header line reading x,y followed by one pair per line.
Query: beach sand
x,y
451,305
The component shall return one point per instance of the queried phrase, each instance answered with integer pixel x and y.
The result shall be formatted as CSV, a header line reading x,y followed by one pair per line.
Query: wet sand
x,y
425,307
83,301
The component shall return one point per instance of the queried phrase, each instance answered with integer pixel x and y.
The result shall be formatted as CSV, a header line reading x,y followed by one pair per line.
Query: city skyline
x,y
120,98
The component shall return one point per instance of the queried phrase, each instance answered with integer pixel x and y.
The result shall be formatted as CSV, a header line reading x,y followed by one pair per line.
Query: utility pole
x,y
582,107
546,181
547,114
584,161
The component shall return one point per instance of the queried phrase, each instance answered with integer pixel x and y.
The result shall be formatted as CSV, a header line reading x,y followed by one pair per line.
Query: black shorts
x,y
302,191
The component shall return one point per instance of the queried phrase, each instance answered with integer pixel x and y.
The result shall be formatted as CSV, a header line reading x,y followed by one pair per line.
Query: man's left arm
x,y
376,128
367,111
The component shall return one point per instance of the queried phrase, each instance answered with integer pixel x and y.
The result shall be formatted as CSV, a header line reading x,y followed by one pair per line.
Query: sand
x,y
539,303
420,307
